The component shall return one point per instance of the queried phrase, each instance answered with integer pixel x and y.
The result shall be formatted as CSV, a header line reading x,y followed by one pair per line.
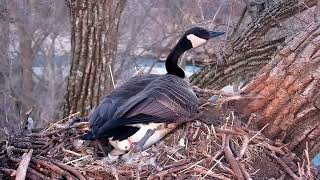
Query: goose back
x,y
166,99
109,105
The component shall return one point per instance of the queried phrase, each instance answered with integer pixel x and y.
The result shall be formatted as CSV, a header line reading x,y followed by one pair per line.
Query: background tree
x,y
94,46
250,48
27,28
4,60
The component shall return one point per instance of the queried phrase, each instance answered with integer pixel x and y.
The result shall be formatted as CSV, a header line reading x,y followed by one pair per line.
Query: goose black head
x,y
199,36
192,38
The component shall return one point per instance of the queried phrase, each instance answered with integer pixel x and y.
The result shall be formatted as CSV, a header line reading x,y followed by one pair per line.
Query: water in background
x,y
316,160
145,63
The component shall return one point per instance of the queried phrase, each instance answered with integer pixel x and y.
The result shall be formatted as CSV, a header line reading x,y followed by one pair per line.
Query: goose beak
x,y
213,34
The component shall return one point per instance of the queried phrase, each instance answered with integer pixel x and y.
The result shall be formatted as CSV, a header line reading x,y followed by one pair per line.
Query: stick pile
x,y
195,150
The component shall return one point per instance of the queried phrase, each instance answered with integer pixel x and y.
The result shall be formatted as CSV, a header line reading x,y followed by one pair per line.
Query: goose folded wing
x,y
105,111
162,103
101,113
146,110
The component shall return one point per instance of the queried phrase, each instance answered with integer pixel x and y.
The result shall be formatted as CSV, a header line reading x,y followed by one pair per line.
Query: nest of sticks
x,y
195,150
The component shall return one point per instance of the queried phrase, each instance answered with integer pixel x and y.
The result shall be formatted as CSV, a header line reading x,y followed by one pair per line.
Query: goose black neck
x,y
172,60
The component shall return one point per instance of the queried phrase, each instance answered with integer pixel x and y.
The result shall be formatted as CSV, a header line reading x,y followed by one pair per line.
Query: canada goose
x,y
146,108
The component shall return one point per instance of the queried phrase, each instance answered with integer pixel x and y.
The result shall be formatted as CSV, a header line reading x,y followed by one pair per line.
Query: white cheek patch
x,y
195,40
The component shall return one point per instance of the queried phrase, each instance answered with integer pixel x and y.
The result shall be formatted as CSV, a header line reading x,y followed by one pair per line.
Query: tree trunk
x,y
4,47
287,93
247,51
26,63
26,50
94,45
4,69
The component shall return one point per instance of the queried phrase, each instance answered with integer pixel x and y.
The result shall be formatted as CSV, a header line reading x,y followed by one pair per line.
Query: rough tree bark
x,y
4,63
247,51
26,50
288,93
94,45
4,47
26,63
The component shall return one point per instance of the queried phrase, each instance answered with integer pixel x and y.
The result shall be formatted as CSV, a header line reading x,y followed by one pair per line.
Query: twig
x,y
70,169
210,170
212,92
110,70
221,101
202,170
76,125
168,171
228,131
259,132
244,172
22,150
23,166
139,72
235,29
306,151
36,173
232,160
243,147
53,167
115,173
189,167
9,151
10,172
71,152
222,147
300,169
284,166
59,121
247,141
77,160
196,133
184,137
175,164
252,116
270,147
151,67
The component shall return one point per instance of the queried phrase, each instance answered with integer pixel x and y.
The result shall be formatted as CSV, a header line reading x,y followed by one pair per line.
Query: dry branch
x,y
232,160
202,170
23,166
212,92
70,169
284,166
